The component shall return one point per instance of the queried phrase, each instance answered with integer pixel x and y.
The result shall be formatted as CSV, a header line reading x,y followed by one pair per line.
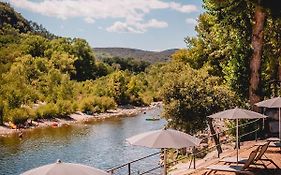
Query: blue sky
x,y
143,24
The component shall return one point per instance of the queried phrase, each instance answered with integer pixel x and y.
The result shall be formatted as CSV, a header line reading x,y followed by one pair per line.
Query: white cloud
x,y
191,21
131,11
183,8
153,23
121,27
136,27
89,20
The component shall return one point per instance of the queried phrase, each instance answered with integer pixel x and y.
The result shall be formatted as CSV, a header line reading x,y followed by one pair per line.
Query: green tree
x,y
117,86
34,45
129,64
257,44
85,64
16,87
271,67
1,112
191,96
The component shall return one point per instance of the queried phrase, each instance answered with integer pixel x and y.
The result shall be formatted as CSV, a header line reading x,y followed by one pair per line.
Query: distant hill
x,y
142,55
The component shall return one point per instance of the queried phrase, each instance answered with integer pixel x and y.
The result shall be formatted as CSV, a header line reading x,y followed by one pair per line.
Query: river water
x,y
98,144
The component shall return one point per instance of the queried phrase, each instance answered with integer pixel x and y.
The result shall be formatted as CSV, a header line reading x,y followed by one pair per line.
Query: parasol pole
x,y
237,147
279,125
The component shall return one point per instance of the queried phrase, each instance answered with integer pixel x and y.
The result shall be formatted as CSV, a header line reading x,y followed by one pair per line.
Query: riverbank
x,y
79,117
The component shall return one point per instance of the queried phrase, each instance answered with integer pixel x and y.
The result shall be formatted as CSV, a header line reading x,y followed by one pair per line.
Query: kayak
x,y
152,119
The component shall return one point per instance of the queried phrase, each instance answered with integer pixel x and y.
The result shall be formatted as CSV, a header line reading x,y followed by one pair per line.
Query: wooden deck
x,y
271,153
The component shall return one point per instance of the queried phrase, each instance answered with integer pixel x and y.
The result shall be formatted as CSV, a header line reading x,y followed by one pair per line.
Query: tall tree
x,y
271,67
1,112
223,42
273,9
255,62
231,38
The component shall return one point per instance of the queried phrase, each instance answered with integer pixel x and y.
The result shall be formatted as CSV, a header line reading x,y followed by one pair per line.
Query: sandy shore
x,y
128,111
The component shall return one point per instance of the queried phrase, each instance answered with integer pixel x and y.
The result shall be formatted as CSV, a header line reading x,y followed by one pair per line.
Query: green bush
x,y
245,129
65,107
86,105
104,103
49,110
193,95
18,115
97,104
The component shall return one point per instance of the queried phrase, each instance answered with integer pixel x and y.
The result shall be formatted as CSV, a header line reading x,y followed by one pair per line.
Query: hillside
x,y
8,16
148,56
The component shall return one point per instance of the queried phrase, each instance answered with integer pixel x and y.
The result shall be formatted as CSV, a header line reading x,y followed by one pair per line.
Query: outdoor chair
x,y
259,158
272,144
273,139
242,169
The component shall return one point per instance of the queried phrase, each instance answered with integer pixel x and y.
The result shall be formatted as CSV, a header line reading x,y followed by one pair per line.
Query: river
x,y
98,144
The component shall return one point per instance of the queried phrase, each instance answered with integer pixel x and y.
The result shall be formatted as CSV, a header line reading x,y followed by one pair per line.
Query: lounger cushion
x,y
272,144
232,168
234,160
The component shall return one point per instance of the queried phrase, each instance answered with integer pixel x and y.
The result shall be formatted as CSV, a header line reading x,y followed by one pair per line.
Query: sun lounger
x,y
271,144
273,139
259,158
236,168
275,144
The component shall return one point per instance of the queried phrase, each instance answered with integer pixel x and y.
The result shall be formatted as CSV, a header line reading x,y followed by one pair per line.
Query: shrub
x,y
245,129
105,103
18,115
97,104
193,95
65,107
86,105
49,110
147,97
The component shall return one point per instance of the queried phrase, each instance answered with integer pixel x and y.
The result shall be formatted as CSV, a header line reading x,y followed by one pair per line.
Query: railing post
x,y
256,136
194,161
218,136
193,153
129,168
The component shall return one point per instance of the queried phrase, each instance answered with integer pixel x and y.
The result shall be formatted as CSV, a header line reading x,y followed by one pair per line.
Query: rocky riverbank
x,y
122,111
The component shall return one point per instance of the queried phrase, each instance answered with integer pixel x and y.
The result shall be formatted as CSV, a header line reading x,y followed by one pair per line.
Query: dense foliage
x,y
225,42
9,16
127,64
44,76
192,95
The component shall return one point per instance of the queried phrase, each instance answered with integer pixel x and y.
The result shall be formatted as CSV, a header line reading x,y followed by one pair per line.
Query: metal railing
x,y
226,141
128,165
192,154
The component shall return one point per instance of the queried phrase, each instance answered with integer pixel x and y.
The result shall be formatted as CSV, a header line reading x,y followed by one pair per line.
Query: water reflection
x,y
99,144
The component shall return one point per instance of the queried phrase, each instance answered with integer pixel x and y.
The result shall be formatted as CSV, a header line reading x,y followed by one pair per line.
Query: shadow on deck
x,y
272,153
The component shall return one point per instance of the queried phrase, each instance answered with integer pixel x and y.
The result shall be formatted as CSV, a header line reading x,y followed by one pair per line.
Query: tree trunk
x,y
213,133
255,62
1,113
278,83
